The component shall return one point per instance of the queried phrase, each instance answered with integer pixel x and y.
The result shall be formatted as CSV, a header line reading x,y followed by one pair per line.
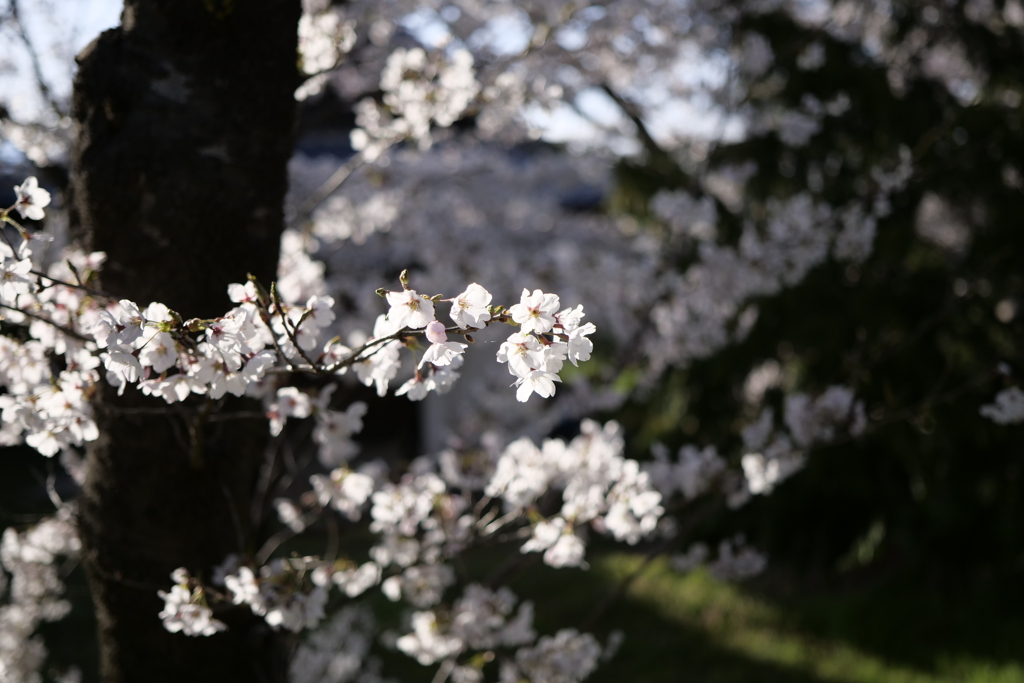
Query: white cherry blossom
x,y
32,199
579,346
357,581
185,610
15,279
443,353
427,644
469,309
535,312
409,309
415,389
536,382
159,352
344,490
522,352
1008,407
289,402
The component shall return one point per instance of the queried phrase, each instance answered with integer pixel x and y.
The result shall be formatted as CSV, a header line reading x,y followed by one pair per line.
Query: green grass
x,y
699,630
694,628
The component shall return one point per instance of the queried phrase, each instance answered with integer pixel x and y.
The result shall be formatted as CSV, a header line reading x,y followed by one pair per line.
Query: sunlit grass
x,y
695,628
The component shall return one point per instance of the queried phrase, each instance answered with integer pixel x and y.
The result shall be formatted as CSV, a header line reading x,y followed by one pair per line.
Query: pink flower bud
x,y
435,332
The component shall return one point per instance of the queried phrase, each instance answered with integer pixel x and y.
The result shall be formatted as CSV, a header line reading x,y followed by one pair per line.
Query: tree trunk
x,y
185,120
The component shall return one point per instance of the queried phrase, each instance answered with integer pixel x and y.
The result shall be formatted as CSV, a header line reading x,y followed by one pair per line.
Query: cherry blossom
x,y
32,199
562,548
344,490
537,382
357,581
15,279
185,610
435,332
290,402
159,352
470,309
409,309
522,352
535,312
1008,407
443,353
427,643
579,346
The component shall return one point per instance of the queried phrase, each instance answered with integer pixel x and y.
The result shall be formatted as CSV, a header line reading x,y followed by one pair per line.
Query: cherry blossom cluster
x,y
186,609
32,593
427,518
694,472
339,651
694,312
598,485
534,355
325,37
483,621
419,90
288,593
505,210
174,358
735,561
15,263
1008,407
772,454
291,594
706,307
46,407
481,625
534,358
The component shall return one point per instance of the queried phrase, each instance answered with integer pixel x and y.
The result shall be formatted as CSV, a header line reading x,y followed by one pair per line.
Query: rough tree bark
x,y
185,119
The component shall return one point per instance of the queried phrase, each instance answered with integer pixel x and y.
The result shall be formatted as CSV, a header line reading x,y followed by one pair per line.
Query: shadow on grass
x,y
694,628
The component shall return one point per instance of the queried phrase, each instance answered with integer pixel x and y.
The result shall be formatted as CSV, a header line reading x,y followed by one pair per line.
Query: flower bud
x,y
436,333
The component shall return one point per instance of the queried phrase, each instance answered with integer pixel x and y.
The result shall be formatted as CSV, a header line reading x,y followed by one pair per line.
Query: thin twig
x,y
272,543
235,521
37,70
196,434
656,151
66,330
331,184
444,671
63,283
273,336
500,522
51,488
266,479
292,333
354,358
23,518
331,552
238,415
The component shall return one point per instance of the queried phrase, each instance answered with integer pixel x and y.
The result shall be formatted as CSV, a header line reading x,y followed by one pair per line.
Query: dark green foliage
x,y
914,330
